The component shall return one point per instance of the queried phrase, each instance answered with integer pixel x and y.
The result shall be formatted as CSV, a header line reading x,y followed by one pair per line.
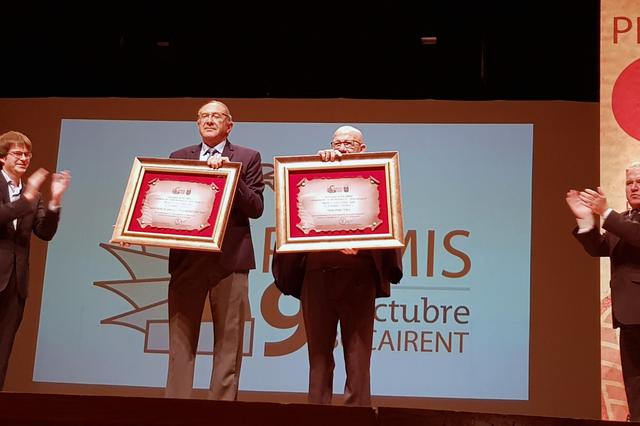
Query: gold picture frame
x,y
306,188
176,203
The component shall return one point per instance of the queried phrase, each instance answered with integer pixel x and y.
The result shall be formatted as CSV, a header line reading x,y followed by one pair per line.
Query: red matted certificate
x,y
351,203
176,203
342,204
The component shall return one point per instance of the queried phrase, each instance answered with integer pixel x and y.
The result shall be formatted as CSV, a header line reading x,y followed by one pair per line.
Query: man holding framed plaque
x,y
339,286
222,277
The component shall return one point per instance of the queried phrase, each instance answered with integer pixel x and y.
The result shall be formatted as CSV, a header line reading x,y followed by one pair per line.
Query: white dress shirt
x,y
205,150
14,192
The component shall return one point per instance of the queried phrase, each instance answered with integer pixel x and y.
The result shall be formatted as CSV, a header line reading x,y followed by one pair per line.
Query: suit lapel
x,y
194,153
614,240
228,150
4,189
4,196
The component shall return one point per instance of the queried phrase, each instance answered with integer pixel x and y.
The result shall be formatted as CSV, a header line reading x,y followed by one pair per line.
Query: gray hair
x,y
634,165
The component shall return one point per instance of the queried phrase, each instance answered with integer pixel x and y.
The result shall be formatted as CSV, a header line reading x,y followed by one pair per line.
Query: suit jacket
x,y
289,270
621,243
237,249
14,243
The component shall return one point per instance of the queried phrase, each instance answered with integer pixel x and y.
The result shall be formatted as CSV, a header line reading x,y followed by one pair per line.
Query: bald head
x,y
349,131
348,139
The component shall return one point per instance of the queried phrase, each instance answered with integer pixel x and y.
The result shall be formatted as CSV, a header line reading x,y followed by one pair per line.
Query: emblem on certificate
x,y
176,203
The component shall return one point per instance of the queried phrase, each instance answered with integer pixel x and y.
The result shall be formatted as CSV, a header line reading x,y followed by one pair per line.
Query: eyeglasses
x,y
217,116
21,154
348,144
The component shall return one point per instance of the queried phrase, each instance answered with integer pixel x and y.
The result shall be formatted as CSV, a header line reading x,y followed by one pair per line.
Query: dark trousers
x,y
630,357
11,311
345,296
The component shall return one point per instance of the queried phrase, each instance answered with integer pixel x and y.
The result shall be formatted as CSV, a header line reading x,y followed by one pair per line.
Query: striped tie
x,y
211,153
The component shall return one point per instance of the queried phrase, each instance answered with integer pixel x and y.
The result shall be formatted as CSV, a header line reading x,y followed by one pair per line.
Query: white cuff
x,y
584,230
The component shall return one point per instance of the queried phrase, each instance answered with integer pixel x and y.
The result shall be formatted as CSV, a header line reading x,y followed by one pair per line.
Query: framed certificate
x,y
354,202
176,203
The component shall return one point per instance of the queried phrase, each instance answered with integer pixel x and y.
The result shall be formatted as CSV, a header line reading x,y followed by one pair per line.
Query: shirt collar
x,y
10,182
220,147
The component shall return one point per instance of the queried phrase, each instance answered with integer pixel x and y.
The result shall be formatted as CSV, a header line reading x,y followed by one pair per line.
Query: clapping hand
x,y
594,200
59,184
579,209
34,182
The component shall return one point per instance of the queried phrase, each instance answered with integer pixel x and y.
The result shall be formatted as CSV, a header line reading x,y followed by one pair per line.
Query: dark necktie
x,y
14,194
211,153
634,215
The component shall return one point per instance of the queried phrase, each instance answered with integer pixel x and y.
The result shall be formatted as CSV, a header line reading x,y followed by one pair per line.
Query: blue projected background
x,y
456,326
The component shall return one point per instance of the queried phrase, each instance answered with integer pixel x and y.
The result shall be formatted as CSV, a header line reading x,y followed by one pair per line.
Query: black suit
x,y
621,243
32,217
223,277
338,288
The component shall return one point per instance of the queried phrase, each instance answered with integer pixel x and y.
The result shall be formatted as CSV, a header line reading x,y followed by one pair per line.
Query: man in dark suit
x,y
621,243
339,287
22,212
222,277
